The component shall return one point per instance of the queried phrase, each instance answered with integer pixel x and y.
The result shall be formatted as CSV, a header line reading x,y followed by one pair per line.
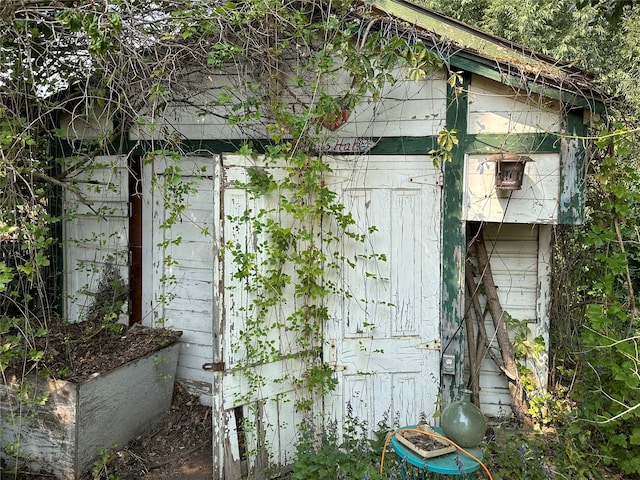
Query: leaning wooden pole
x,y
474,368
518,402
481,340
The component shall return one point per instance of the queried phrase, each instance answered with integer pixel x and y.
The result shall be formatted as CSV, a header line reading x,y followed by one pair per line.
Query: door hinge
x,y
432,345
337,368
333,356
214,367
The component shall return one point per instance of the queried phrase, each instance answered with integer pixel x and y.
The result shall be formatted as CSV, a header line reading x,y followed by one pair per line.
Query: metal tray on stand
x,y
423,444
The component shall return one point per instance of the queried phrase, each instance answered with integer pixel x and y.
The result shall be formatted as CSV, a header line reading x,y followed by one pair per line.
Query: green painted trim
x,y
404,145
572,171
481,143
584,101
387,145
384,146
454,238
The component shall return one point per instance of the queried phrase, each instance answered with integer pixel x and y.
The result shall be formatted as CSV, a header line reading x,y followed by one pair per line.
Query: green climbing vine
x,y
293,269
294,262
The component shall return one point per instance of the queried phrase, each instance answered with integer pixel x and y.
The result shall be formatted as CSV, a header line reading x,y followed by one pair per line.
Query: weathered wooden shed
x,y
508,101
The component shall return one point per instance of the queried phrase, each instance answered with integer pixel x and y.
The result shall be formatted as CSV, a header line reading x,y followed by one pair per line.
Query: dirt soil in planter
x,y
77,351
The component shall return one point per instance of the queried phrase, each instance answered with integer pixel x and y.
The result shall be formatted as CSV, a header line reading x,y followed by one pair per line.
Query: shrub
x,y
355,454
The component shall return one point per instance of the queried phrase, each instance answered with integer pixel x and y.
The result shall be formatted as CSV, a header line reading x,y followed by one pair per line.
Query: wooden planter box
x,y
63,436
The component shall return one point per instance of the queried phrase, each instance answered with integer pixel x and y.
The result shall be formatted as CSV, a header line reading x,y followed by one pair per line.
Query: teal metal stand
x,y
456,464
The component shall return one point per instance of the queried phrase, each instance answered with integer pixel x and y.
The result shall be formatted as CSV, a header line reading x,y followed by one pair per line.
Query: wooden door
x,y
179,256
383,336
258,426
384,340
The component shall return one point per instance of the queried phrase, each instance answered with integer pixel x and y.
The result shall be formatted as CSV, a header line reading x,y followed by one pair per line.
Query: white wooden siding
x,y
535,202
424,114
188,292
499,109
520,261
96,234
406,108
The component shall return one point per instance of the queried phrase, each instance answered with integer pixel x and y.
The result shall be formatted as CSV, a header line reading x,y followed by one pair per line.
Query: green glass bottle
x,y
463,422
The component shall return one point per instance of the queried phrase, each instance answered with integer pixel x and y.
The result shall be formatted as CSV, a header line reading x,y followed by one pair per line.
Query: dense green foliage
x,y
606,356
351,452
599,36
594,402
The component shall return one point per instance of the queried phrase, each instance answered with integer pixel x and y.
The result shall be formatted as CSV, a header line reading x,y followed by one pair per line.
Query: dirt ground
x,y
177,448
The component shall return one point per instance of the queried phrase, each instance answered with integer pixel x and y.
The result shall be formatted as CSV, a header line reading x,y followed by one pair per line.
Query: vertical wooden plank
x,y
135,240
453,241
288,420
149,240
227,461
543,305
226,456
572,171
358,392
360,318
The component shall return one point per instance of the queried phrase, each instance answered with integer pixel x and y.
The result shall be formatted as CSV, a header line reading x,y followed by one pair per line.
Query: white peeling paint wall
x,y
195,112
96,232
535,202
406,108
520,257
517,223
499,109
